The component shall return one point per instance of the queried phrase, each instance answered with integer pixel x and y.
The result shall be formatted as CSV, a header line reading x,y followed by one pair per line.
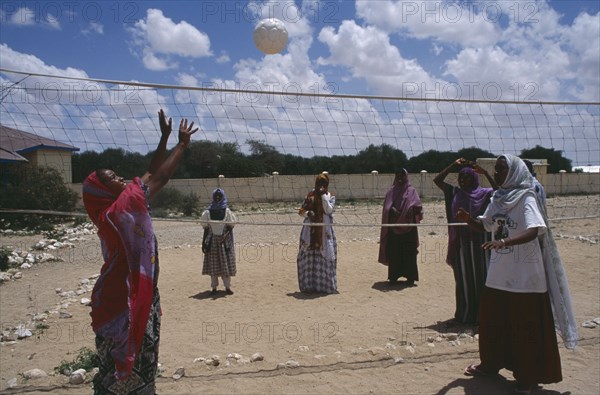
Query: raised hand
x,y
185,131
165,127
460,161
478,169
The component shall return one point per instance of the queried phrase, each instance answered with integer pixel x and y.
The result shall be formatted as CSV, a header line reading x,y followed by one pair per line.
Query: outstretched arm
x,y
161,150
474,223
159,179
526,236
439,179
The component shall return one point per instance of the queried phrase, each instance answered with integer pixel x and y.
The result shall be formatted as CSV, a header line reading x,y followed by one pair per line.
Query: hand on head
x,y
478,169
460,161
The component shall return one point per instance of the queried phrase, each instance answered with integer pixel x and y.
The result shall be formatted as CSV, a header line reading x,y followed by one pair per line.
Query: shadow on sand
x,y
494,385
386,286
207,295
308,295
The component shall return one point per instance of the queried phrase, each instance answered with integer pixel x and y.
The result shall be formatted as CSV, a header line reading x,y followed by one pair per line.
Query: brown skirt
x,y
516,332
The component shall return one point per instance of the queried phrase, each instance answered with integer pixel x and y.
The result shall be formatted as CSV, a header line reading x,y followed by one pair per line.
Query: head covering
x,y
218,209
96,197
221,204
322,177
123,294
473,200
518,183
405,199
313,202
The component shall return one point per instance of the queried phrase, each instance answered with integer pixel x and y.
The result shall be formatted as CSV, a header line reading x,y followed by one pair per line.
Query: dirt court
x,y
369,338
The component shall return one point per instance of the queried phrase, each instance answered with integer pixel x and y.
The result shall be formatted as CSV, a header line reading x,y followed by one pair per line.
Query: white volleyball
x,y
270,36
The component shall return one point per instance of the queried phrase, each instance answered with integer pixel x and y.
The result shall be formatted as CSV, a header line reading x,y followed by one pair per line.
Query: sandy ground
x,y
369,338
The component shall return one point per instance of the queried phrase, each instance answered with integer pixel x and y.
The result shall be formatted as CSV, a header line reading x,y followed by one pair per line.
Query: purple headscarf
x,y
474,201
410,210
217,208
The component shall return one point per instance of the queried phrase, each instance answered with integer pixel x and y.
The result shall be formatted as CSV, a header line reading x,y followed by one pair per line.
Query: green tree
x,y
472,153
35,188
125,164
555,158
384,158
432,161
266,157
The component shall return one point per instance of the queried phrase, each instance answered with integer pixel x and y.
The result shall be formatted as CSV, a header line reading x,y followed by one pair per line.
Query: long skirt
x,y
470,271
401,251
220,259
516,332
316,273
142,378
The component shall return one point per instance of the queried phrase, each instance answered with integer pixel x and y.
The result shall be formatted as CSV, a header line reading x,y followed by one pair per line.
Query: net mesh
x,y
264,147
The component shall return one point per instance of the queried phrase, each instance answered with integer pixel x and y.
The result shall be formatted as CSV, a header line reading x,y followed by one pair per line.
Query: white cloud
x,y
14,60
372,57
291,70
522,49
223,58
293,17
161,39
540,60
494,74
441,21
584,39
187,79
26,17
93,28
156,63
73,110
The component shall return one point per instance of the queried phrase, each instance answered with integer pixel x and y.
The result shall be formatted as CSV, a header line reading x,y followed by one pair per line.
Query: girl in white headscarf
x,y
526,290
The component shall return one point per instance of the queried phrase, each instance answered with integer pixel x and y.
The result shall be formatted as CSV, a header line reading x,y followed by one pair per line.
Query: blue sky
x,y
552,44
529,50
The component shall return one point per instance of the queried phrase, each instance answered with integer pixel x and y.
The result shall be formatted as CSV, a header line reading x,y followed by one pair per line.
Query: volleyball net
x,y
265,146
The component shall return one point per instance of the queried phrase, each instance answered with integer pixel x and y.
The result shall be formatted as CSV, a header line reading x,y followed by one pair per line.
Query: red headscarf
x,y
122,296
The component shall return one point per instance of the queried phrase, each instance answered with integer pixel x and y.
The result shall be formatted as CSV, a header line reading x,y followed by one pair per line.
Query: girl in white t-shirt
x,y
525,284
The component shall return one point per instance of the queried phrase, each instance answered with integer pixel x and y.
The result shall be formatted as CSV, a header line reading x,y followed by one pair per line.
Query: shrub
x,y
160,213
189,204
35,188
4,254
167,198
85,359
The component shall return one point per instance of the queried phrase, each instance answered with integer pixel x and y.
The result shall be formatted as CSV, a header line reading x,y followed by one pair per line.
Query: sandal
x,y
476,371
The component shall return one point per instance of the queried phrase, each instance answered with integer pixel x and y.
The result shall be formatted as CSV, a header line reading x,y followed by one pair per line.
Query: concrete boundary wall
x,y
282,188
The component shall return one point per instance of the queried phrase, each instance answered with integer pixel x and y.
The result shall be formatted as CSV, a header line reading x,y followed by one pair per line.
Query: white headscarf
x,y
519,183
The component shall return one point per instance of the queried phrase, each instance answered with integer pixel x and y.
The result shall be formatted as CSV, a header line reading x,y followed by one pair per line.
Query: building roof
x,y
14,143
8,156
